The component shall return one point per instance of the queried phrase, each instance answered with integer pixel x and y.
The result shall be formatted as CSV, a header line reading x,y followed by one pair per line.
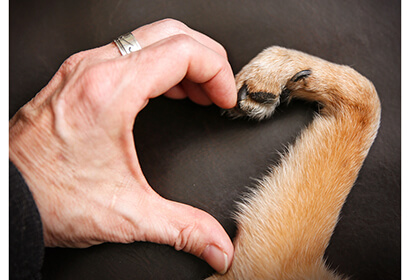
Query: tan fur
x,y
285,225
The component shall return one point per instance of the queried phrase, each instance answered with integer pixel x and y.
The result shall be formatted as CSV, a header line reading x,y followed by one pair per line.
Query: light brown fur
x,y
285,225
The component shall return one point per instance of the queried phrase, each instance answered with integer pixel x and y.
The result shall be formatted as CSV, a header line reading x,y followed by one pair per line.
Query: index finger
x,y
157,31
152,33
161,66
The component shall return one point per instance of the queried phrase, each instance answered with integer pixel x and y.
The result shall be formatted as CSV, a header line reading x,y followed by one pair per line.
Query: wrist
x,y
33,149
30,143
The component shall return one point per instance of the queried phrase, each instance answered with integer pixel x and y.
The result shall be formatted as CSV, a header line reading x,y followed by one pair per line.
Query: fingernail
x,y
216,258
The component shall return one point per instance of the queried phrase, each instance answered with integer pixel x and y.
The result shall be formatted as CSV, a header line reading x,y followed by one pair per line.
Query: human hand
x,y
73,143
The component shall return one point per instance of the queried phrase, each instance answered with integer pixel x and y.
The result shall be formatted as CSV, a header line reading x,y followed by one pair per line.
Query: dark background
x,y
191,154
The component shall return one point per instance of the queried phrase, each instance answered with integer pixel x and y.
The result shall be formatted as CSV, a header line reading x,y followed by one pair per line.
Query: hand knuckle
x,y
223,51
72,62
182,43
174,27
93,72
96,83
184,238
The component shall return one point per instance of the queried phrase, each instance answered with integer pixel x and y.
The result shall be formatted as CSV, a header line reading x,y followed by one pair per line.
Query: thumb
x,y
192,230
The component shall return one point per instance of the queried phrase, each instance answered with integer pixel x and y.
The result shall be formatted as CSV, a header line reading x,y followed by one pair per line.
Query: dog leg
x,y
285,225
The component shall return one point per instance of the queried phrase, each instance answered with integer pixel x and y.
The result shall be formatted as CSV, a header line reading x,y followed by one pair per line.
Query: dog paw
x,y
255,105
267,80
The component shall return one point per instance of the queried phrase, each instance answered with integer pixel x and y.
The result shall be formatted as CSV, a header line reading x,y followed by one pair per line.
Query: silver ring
x,y
127,44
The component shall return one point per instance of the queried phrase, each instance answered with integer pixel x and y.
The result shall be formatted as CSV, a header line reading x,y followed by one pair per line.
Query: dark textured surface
x,y
192,154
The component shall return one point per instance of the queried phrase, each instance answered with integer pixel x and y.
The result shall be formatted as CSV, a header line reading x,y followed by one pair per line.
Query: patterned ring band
x,y
127,44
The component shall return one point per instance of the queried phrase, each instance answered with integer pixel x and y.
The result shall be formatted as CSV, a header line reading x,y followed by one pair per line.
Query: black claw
x,y
242,93
285,94
301,75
